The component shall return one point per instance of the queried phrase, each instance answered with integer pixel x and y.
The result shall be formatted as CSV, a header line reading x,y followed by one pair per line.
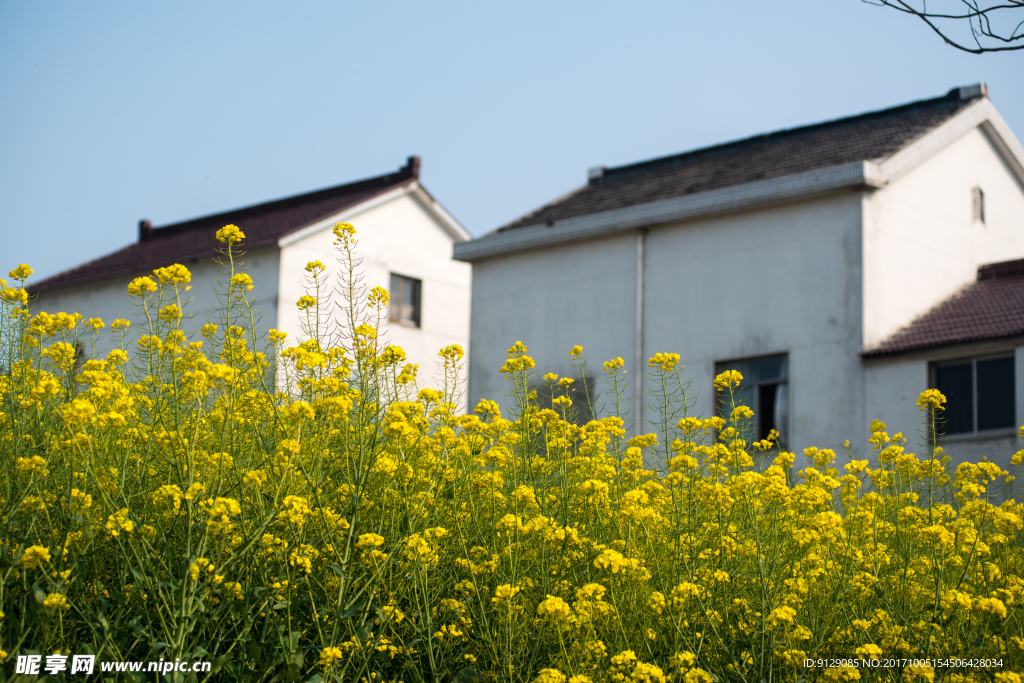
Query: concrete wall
x,y
552,299
893,385
920,243
399,236
782,279
108,299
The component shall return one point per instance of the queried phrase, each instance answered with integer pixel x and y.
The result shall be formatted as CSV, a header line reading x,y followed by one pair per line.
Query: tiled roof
x,y
990,308
263,224
866,137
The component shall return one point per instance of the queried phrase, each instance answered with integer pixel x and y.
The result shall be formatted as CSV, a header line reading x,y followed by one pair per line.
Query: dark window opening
x,y
765,390
979,394
405,300
978,205
995,393
956,383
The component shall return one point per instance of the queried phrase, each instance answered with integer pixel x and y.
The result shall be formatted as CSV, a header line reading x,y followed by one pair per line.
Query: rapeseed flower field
x,y
304,512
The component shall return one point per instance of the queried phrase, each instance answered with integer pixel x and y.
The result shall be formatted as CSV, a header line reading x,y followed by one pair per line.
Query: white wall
x,y
108,299
920,244
552,299
399,236
781,279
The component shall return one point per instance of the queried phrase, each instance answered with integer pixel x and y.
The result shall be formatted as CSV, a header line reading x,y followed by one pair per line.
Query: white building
x,y
790,256
404,237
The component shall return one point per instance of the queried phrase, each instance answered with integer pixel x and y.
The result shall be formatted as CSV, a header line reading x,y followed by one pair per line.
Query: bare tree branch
x,y
993,25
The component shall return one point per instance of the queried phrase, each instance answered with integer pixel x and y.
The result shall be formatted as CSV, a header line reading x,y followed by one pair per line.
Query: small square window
x,y
979,394
405,300
765,390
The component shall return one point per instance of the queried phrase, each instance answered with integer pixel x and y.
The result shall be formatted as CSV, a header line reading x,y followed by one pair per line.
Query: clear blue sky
x,y
115,111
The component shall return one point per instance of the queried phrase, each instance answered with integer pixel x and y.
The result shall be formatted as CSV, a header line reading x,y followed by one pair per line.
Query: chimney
x,y
969,92
595,173
145,230
411,168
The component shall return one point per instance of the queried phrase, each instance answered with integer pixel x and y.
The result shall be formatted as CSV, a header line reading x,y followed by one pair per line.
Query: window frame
x,y
975,433
977,205
396,298
784,434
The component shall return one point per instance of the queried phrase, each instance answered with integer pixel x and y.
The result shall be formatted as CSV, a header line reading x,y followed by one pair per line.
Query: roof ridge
x,y
406,173
264,224
955,95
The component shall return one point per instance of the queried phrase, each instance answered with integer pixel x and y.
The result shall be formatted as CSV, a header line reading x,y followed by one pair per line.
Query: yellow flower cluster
x,y
312,511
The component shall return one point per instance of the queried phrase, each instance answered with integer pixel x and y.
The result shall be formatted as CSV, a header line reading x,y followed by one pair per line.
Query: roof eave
x,y
863,174
947,350
869,174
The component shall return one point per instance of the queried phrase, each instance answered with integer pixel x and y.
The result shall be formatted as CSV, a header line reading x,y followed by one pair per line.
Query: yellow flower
x,y
344,232
781,615
34,555
504,593
370,541
56,601
555,610
22,272
611,560
550,676
230,234
741,413
141,286
666,362
314,267
727,380
614,365
930,398
451,354
305,302
241,282
118,522
295,509
329,655
993,606
35,464
176,274
80,411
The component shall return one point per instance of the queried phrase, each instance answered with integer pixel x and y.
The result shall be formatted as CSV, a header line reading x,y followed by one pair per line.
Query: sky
x,y
111,112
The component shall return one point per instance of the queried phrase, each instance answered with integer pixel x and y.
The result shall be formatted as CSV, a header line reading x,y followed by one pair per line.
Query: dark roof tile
x,y
263,224
866,137
991,308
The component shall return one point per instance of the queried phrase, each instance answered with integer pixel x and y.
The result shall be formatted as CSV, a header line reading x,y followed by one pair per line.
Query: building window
x,y
405,300
765,389
977,205
979,394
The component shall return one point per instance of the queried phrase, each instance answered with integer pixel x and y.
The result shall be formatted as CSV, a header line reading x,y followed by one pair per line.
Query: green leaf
x,y
219,662
339,571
